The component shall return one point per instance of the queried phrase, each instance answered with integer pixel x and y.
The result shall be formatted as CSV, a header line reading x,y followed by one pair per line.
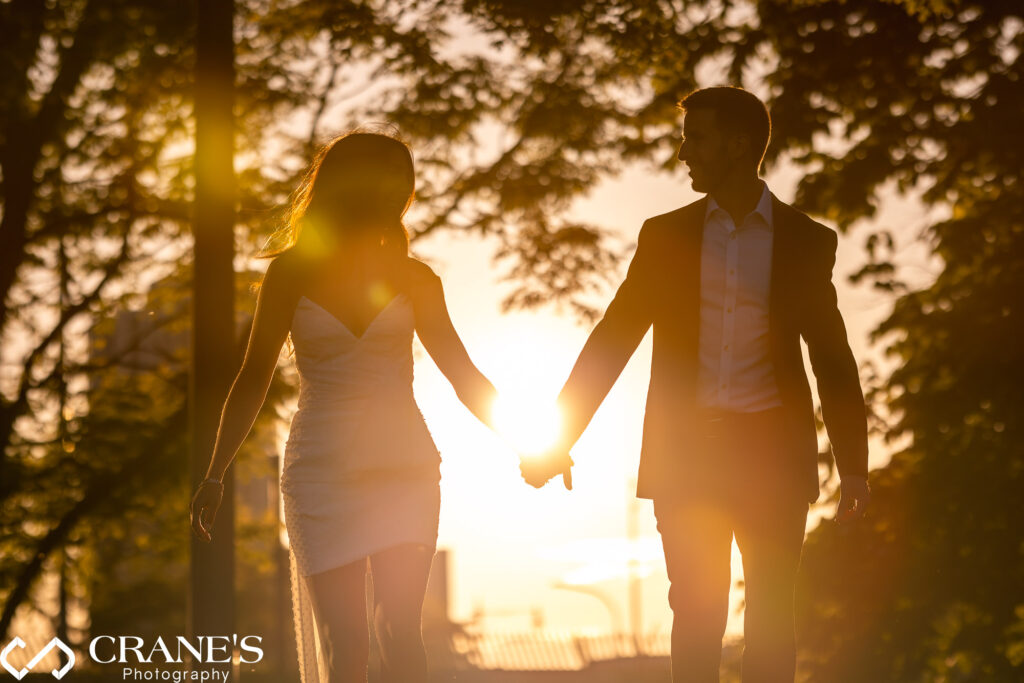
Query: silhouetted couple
x,y
729,283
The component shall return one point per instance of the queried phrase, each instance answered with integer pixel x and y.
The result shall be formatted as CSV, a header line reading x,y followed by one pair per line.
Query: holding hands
x,y
535,431
538,470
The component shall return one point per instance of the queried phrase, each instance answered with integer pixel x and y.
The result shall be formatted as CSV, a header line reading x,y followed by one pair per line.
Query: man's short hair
x,y
738,111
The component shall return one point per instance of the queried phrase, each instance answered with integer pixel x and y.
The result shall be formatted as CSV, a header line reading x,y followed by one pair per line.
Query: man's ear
x,y
738,146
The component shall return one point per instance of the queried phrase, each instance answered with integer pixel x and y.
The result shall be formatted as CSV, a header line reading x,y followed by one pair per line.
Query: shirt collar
x,y
763,208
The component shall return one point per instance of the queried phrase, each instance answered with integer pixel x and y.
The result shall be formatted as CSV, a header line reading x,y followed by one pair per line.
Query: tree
x,y
82,141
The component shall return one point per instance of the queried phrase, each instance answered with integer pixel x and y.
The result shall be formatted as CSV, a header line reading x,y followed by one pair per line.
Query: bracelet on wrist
x,y
211,480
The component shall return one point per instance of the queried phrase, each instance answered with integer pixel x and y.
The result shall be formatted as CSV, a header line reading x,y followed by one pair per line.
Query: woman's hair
x,y
358,187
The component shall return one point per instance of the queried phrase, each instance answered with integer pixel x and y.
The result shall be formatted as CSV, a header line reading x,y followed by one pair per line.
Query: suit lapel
x,y
692,238
784,256
682,262
783,330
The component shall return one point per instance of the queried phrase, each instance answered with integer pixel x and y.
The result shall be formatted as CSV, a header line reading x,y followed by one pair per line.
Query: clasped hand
x,y
538,470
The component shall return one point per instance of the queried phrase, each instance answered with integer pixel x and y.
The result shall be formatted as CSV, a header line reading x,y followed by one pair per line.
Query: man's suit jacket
x,y
662,288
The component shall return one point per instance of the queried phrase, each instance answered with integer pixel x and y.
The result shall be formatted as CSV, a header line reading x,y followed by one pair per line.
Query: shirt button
x,y
725,348
732,235
732,272
728,310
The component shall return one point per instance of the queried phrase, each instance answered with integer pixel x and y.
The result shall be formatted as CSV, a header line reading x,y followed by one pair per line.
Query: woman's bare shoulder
x,y
419,273
422,285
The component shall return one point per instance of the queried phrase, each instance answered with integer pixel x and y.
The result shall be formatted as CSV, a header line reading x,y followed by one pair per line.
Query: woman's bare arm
x,y
275,307
435,329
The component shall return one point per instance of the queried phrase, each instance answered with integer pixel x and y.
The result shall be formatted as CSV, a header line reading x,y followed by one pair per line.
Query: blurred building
x,y
464,652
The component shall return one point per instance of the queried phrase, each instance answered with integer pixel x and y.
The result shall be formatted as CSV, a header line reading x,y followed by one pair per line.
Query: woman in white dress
x,y
360,480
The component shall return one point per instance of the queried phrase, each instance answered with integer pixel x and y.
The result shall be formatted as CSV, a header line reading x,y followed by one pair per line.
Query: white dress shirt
x,y
735,369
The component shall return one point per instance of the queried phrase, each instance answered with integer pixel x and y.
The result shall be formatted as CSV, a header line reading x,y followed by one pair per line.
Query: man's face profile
x,y
705,149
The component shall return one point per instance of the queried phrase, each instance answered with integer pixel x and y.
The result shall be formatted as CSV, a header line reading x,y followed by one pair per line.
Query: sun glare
x,y
529,425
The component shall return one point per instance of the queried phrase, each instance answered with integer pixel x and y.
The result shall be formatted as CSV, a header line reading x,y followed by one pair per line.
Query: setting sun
x,y
529,425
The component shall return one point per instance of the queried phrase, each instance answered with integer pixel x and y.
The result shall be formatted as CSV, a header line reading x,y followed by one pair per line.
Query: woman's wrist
x,y
212,480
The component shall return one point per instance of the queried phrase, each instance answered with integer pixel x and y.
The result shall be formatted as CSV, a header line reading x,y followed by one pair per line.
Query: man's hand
x,y
537,470
854,496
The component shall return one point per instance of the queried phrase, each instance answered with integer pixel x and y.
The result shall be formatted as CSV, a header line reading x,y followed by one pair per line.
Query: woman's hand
x,y
205,504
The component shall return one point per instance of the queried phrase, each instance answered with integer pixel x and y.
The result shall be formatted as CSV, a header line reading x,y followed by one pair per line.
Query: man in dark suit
x,y
730,284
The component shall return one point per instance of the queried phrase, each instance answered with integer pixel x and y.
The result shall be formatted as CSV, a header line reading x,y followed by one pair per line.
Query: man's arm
x,y
842,400
611,344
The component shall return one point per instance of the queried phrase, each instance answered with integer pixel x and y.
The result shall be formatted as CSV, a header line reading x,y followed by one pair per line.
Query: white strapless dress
x,y
361,472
